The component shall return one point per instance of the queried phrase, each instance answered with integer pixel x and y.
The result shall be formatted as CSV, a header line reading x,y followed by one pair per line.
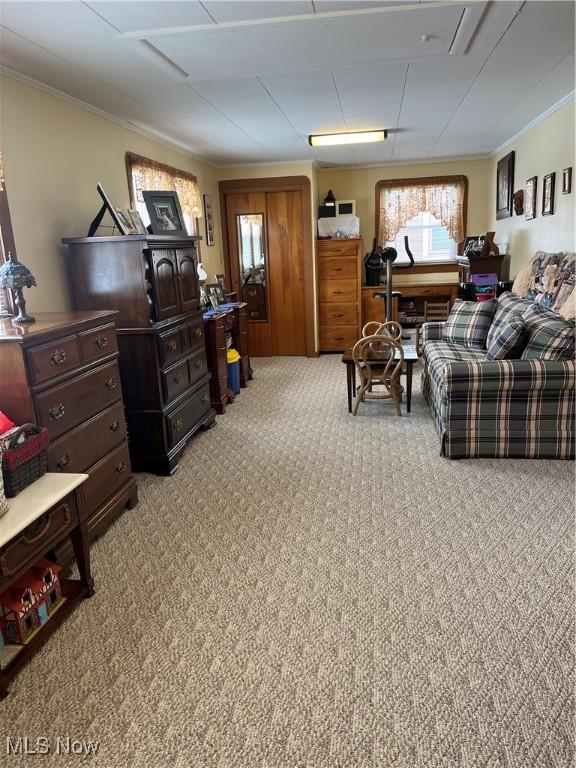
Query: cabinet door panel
x,y
165,284
188,279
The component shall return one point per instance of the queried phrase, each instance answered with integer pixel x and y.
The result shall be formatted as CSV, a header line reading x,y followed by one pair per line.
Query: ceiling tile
x,y
142,14
232,10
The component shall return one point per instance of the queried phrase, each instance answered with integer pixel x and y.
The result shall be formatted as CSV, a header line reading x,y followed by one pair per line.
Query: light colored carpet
x,y
312,590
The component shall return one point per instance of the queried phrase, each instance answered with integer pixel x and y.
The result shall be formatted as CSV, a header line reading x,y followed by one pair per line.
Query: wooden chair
x,y
391,328
378,359
434,311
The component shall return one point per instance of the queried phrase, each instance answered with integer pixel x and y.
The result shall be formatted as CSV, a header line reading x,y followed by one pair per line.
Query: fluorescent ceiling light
x,y
355,137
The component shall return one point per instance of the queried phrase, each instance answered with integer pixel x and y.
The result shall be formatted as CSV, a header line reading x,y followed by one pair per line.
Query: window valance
x,y
400,200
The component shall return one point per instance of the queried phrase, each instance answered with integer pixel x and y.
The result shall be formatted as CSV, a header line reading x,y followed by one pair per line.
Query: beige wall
x,y
546,148
360,184
54,155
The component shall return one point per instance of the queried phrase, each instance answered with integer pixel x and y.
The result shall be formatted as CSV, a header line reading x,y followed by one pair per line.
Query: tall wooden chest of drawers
x,y
62,373
339,293
153,284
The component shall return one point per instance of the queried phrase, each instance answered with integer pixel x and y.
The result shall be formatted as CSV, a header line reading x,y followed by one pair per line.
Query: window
x,y
428,240
431,211
146,174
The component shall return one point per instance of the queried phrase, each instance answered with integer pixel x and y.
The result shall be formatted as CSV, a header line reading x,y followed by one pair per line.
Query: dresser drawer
x,y
338,314
50,360
338,248
170,346
69,404
193,336
175,381
34,540
105,478
338,337
76,451
336,268
97,343
181,421
338,290
197,366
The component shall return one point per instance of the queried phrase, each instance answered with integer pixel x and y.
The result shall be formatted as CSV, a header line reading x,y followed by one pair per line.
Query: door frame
x,y
279,184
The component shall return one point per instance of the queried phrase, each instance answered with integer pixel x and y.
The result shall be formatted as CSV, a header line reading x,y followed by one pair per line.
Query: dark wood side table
x,y
410,357
39,519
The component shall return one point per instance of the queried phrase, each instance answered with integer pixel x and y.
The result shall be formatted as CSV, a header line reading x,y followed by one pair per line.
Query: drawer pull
x,y
115,426
63,461
198,332
122,467
40,527
57,412
337,293
337,269
205,398
101,341
58,357
178,378
111,384
178,424
339,315
198,364
338,338
171,346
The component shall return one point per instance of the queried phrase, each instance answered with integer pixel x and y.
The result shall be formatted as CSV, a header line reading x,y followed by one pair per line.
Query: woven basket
x,y
23,463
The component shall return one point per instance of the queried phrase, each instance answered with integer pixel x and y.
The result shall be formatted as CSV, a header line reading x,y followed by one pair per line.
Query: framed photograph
x,y
215,289
505,186
137,222
127,223
165,213
548,187
530,198
121,223
567,181
213,301
209,219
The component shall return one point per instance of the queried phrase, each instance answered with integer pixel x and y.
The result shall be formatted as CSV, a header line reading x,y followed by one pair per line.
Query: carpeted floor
x,y
312,590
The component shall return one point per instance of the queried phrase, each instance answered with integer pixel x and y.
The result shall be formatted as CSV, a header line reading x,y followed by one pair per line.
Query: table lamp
x,y
15,276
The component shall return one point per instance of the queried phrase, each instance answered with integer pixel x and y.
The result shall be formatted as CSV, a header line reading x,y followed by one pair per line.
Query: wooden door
x,y
283,332
165,283
188,279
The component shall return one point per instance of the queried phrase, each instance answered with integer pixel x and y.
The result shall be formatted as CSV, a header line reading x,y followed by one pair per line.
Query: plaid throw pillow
x,y
509,341
468,323
508,306
550,337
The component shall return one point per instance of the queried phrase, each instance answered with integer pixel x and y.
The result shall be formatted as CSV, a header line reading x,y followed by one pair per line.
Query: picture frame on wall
x,y
209,219
548,189
505,186
165,213
567,181
530,198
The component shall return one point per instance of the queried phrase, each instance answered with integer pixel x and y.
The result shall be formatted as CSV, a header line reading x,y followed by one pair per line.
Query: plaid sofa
x,y
500,408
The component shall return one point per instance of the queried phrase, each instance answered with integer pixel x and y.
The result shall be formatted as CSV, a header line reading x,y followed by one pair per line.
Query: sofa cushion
x,y
549,336
469,322
437,353
509,342
508,306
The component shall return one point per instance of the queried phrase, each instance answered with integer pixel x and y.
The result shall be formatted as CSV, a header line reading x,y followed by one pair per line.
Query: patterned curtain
x,y
145,174
402,201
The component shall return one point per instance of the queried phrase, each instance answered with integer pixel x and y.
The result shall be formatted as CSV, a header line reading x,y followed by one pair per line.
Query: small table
x,y
410,357
40,518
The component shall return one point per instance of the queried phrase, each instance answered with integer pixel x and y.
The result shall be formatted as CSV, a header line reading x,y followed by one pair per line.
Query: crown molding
x,y
537,120
147,133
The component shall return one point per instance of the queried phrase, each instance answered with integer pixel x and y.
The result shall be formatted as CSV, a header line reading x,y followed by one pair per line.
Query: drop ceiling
x,y
247,82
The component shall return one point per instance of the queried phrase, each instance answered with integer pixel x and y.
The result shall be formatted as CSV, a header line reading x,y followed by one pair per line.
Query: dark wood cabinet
x,y
62,373
152,282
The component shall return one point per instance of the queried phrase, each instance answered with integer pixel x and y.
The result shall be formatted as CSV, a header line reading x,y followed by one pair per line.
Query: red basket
x,y
25,462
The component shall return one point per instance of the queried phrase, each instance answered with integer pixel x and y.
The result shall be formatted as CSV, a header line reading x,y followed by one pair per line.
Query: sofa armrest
x,y
432,331
505,376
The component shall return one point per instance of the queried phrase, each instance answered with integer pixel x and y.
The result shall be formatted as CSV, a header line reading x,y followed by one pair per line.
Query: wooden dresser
x,y
61,372
339,293
152,282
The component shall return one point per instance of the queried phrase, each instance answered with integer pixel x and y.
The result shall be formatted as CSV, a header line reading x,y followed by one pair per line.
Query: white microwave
x,y
346,208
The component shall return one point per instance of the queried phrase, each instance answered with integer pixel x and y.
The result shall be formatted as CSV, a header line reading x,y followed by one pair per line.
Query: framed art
x,y
137,222
530,198
548,187
165,213
504,186
567,181
215,289
120,222
127,223
209,219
